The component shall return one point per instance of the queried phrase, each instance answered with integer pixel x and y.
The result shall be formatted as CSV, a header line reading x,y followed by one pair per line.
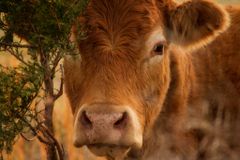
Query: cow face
x,y
118,85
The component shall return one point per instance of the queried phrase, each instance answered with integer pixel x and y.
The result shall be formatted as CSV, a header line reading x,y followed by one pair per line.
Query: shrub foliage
x,y
45,25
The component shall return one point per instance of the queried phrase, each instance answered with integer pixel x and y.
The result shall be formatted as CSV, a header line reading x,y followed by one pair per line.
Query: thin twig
x,y
56,61
16,56
16,45
43,141
56,143
60,92
25,138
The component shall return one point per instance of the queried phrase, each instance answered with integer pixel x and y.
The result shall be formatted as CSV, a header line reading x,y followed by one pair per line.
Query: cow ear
x,y
196,23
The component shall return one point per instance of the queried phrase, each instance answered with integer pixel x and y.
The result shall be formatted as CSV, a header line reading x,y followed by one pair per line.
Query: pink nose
x,y
106,124
103,122
98,127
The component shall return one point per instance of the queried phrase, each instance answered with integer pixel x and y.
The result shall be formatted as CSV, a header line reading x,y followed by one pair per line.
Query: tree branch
x,y
59,148
16,45
43,141
60,92
25,138
16,56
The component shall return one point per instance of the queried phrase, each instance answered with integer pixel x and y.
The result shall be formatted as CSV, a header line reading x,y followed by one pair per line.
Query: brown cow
x,y
143,66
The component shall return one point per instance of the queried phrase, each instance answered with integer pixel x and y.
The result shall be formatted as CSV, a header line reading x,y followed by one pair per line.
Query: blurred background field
x,y
63,120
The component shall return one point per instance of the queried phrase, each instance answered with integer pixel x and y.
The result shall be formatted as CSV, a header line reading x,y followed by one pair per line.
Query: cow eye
x,y
158,49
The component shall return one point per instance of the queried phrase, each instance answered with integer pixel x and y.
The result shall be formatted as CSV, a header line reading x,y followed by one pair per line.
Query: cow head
x,y
118,85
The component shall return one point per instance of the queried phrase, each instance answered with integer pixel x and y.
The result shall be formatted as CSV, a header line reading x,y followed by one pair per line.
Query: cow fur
x,y
200,69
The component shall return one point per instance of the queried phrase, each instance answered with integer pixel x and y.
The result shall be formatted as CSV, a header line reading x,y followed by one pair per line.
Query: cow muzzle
x,y
107,129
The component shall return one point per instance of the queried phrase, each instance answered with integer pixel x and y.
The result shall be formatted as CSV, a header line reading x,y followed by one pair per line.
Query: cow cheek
x,y
159,81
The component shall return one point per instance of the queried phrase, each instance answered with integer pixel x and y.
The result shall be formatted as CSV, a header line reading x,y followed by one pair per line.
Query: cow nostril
x,y
86,122
122,121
